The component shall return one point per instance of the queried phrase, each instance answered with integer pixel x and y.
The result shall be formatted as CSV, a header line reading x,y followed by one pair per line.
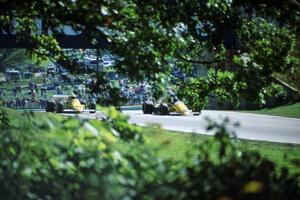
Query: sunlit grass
x,y
284,111
174,145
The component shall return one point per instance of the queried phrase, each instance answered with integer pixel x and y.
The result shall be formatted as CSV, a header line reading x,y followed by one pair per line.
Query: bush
x,y
231,174
54,157
65,158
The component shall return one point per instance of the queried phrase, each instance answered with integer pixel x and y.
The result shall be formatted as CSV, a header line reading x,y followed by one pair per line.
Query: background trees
x,y
10,58
151,36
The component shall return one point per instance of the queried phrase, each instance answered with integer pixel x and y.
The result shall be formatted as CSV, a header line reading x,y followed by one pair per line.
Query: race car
x,y
168,105
165,108
70,103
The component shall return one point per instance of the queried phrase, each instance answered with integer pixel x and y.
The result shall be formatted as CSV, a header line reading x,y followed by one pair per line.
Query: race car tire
x,y
148,107
50,106
59,107
196,111
92,107
164,109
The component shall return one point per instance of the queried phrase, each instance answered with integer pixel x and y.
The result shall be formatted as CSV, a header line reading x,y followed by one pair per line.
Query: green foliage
x,y
174,145
269,50
232,174
119,124
272,90
149,37
54,157
70,158
292,110
11,58
108,94
4,119
265,43
221,83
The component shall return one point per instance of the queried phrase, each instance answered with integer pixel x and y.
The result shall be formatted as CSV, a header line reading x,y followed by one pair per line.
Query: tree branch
x,y
205,62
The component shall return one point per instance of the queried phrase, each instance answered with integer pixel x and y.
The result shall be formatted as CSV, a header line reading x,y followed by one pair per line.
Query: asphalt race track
x,y
252,126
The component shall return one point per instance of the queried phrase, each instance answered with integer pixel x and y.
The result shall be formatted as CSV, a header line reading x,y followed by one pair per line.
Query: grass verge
x,y
283,111
174,145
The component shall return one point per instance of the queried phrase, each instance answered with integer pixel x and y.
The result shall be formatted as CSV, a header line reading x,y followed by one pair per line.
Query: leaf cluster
x,y
51,157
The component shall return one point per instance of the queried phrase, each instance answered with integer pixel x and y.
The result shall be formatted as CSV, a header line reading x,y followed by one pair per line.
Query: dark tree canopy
x,y
251,39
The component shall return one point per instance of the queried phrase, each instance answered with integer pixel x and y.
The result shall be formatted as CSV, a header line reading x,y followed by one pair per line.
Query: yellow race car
x,y
70,103
161,108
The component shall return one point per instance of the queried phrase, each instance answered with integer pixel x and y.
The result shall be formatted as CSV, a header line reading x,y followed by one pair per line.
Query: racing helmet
x,y
73,96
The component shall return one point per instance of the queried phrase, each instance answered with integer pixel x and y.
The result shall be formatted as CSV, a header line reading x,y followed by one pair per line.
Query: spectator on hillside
x,y
33,96
18,103
19,89
42,103
33,99
13,103
58,90
36,88
43,91
4,93
14,90
23,102
31,85
26,102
